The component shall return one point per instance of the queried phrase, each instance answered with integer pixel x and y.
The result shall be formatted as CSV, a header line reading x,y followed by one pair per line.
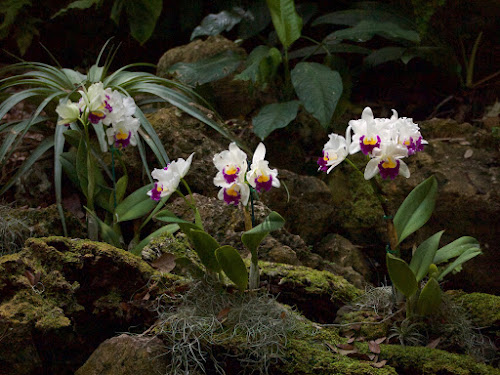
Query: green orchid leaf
x,y
253,237
186,264
274,116
214,24
207,70
169,217
319,88
73,137
429,299
424,256
367,29
117,195
401,275
106,232
416,209
205,246
136,205
455,249
171,228
384,55
467,255
142,16
233,266
286,21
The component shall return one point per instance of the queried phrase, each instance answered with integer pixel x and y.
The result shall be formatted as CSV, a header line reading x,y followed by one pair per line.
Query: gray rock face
x,y
126,355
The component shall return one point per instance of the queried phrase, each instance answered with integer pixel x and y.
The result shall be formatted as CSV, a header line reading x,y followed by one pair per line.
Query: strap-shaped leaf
x,y
233,266
464,257
424,255
253,237
171,228
401,275
169,217
106,232
286,21
205,246
136,205
455,249
319,88
416,209
274,116
429,298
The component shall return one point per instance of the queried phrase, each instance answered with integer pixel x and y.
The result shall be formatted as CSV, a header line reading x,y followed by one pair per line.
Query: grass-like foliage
x,y
47,85
208,320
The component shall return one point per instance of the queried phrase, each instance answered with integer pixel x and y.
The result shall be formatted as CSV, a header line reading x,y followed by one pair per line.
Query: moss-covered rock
x,y
483,309
60,298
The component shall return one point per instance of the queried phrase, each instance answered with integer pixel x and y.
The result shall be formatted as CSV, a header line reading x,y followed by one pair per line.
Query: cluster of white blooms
x,y
103,107
169,178
234,178
385,140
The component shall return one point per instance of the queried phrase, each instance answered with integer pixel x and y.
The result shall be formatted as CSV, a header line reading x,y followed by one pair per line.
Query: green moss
x,y
484,309
423,360
368,331
313,281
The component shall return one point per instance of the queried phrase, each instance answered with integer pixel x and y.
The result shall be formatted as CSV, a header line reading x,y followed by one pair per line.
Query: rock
x,y
232,98
126,355
60,298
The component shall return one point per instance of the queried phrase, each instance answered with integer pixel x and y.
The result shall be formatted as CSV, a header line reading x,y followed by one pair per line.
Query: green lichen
x,y
368,331
484,309
313,281
423,360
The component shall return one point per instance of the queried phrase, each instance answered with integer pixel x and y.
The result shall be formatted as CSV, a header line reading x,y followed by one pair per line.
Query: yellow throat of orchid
x,y
231,170
121,135
262,178
389,163
370,141
232,192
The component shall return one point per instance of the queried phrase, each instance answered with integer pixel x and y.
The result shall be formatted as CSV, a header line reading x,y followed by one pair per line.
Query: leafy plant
x,y
429,262
47,86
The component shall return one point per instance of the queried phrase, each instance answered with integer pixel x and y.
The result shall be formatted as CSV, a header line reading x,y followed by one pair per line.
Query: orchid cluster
x,y
168,178
385,140
103,107
235,179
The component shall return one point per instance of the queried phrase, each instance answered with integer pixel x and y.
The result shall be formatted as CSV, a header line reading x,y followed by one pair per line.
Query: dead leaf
x,y
351,340
356,327
380,340
345,346
379,364
374,347
360,338
283,315
347,352
222,315
146,296
434,343
38,275
468,153
331,347
372,356
165,263
349,334
30,276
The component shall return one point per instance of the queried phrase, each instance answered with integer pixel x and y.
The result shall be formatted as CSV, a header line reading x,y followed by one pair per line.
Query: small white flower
x,y
117,107
169,177
235,193
123,132
232,165
68,112
334,152
260,176
368,132
181,166
387,161
93,103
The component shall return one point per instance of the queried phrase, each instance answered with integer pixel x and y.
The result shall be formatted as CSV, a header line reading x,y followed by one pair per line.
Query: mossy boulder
x,y
483,309
61,297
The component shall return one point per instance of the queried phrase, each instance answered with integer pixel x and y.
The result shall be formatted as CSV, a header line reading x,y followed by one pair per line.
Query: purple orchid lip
x,y
230,198
155,193
323,163
232,176
263,185
123,142
367,149
392,173
95,117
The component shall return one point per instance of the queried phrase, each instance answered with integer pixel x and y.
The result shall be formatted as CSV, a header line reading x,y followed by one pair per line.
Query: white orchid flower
x,y
123,132
68,112
235,193
93,102
117,106
181,166
387,161
232,166
334,152
409,134
169,177
260,176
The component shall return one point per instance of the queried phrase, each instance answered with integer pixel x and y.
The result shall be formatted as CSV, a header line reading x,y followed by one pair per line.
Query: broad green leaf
x,y
286,21
205,246
116,11
328,47
142,17
424,256
253,237
136,205
367,29
188,265
68,163
207,70
384,55
214,24
351,17
416,209
455,249
319,88
76,78
169,217
464,257
171,228
118,192
233,266
253,69
401,275
429,299
274,116
79,4
259,20
106,232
